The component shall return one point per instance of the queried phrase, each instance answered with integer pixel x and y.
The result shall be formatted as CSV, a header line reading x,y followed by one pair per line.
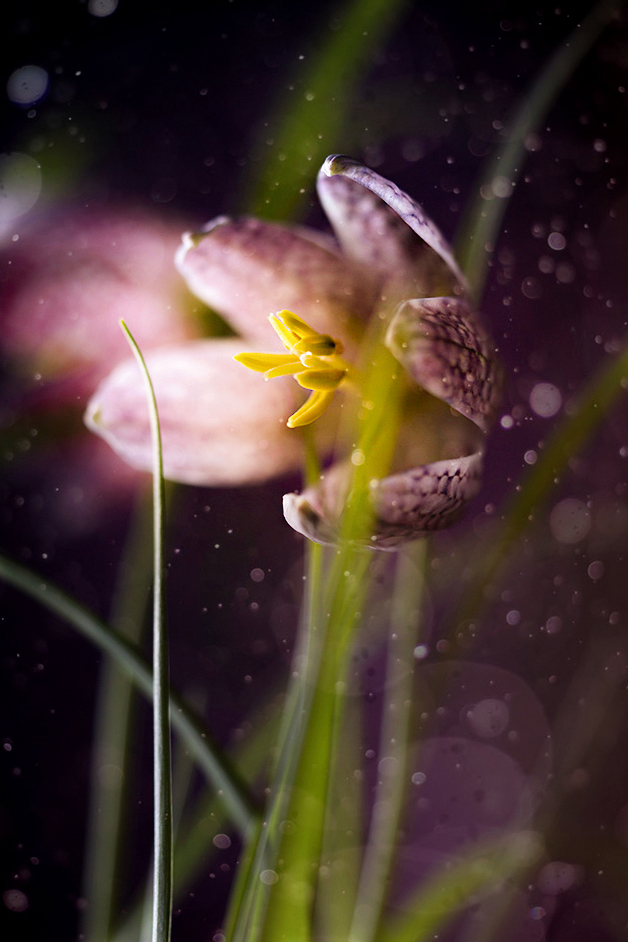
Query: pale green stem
x,y
192,843
288,916
405,621
251,894
162,774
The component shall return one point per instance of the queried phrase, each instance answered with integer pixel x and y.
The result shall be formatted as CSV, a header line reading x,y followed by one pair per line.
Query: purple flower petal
x,y
221,425
445,349
247,269
377,225
405,505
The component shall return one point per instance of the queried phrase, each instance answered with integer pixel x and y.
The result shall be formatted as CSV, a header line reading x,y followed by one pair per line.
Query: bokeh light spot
x,y
570,521
545,400
27,85
102,7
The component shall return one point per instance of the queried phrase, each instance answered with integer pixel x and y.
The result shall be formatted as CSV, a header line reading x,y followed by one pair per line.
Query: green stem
x,y
250,896
162,765
405,621
216,768
289,914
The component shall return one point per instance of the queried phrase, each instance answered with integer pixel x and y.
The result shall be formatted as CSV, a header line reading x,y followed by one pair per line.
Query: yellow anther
x,y
313,359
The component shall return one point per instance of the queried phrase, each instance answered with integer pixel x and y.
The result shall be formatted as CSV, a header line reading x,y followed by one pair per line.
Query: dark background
x,y
171,102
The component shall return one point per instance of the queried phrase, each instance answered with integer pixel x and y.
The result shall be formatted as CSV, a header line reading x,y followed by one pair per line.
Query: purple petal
x,y
247,269
405,505
221,424
446,351
377,225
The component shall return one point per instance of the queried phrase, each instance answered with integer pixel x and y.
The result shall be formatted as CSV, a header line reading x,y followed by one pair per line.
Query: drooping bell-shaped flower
x,y
387,260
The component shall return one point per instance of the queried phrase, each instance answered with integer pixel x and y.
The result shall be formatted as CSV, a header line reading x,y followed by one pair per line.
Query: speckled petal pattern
x,y
445,349
406,505
377,225
247,268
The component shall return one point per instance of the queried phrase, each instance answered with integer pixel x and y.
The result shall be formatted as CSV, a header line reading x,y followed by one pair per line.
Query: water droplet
x,y
545,400
15,900
556,241
570,521
488,718
222,841
27,85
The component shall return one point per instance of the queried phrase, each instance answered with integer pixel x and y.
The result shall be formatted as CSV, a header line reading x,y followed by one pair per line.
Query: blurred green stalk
x,y
313,112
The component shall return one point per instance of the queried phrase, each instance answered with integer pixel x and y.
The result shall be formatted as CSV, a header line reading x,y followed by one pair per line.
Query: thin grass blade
x,y
162,764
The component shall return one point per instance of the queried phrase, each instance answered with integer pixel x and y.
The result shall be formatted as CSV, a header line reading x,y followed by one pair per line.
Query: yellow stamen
x,y
313,359
310,410
265,362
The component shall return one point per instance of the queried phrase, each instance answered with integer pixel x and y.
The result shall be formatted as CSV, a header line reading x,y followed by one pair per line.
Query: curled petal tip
x,y
92,417
337,163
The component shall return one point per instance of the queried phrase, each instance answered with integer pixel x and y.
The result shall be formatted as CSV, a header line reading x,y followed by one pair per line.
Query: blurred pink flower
x,y
70,277
222,425
65,282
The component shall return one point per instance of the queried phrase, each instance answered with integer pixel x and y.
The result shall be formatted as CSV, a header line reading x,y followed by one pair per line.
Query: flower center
x,y
313,359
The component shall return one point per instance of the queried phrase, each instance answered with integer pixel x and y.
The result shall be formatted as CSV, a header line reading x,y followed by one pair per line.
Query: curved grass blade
x,y
207,755
568,438
457,884
483,217
162,763
312,125
113,732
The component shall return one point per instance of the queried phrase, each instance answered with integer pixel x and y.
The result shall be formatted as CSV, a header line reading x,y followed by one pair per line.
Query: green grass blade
x,y
311,126
193,840
456,885
382,840
483,217
587,413
112,733
212,763
162,763
250,897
